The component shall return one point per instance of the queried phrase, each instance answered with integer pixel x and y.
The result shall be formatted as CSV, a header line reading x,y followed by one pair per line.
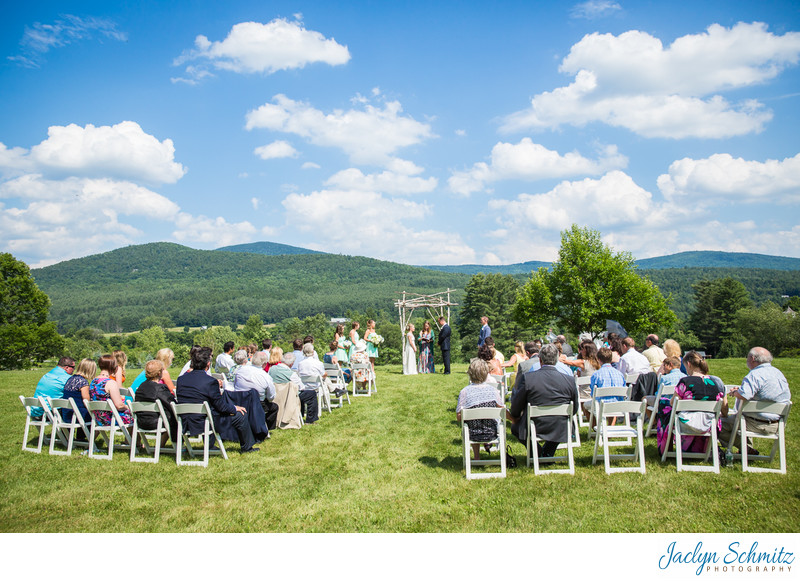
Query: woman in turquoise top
x,y
341,352
353,339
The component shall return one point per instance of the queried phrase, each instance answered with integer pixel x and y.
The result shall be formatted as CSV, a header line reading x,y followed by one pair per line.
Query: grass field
x,y
388,463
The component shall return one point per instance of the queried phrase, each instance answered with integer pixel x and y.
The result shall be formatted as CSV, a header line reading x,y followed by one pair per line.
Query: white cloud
x,y
254,202
382,232
595,9
215,231
632,81
400,181
277,149
122,151
368,135
39,38
723,176
254,47
310,166
531,161
611,200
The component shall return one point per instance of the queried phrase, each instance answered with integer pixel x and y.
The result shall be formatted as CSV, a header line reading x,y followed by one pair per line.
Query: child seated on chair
x,y
479,394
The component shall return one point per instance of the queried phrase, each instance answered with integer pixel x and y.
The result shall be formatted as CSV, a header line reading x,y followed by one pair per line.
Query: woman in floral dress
x,y
105,387
426,350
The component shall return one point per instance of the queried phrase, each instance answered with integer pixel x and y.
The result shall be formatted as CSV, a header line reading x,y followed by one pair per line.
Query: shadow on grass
x,y
448,463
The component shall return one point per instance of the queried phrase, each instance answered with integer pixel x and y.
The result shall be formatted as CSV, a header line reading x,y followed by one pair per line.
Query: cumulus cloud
x,y
722,176
595,9
368,135
216,231
277,149
39,38
611,200
633,81
122,151
400,179
531,161
254,47
310,166
382,233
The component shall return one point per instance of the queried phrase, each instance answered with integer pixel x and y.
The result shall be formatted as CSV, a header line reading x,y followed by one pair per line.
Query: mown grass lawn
x,y
389,463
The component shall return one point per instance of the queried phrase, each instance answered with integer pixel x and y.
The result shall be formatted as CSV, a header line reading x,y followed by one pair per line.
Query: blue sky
x,y
424,133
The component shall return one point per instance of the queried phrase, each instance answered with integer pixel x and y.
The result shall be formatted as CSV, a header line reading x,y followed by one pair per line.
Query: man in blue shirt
x,y
486,331
52,383
605,377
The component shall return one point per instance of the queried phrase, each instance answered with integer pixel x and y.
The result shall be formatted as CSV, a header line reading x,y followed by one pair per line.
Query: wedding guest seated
x,y
607,376
224,361
479,394
152,390
518,357
311,366
275,357
77,388
498,355
52,383
332,358
253,377
166,357
105,387
197,387
122,361
487,354
282,373
297,352
240,358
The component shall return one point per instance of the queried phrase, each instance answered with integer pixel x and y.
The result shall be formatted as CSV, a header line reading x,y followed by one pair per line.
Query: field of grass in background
x,y
389,463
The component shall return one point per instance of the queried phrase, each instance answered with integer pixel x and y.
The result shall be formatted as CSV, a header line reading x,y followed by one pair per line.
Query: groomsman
x,y
444,343
486,331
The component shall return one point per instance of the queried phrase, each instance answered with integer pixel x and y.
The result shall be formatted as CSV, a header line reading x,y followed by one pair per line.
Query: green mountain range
x,y
114,291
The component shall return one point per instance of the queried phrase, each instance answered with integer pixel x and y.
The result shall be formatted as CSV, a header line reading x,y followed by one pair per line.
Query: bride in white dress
x,y
409,351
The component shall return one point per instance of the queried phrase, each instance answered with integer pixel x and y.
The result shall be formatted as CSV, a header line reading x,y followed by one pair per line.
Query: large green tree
x,y
491,295
716,303
26,337
589,284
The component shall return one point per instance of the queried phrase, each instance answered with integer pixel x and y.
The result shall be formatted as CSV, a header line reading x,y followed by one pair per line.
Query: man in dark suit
x,y
197,386
543,387
444,343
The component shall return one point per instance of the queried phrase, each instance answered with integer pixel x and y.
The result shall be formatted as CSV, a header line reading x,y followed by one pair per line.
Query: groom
x,y
444,343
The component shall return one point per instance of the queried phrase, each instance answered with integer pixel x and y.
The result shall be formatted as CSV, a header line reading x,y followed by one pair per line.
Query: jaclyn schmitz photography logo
x,y
736,557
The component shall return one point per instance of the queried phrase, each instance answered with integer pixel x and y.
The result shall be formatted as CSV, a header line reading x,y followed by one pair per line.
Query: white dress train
x,y
409,356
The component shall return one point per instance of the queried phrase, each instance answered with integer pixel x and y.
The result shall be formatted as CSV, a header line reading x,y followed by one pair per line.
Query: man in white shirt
x,y
224,361
253,377
654,354
631,361
311,366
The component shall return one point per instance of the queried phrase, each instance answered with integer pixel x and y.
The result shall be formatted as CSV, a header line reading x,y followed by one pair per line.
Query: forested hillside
x,y
114,291
269,248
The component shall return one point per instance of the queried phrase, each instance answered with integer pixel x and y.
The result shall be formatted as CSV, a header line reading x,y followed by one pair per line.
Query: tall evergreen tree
x,y
713,319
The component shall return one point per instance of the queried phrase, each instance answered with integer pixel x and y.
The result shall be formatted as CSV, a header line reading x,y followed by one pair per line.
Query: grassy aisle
x,y
391,462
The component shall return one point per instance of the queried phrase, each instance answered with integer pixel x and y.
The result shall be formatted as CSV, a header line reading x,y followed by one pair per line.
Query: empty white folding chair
x,y
126,393
778,439
581,382
630,380
140,435
500,381
97,429
66,429
620,435
532,449
663,392
492,414
594,407
323,395
680,430
368,386
30,403
183,438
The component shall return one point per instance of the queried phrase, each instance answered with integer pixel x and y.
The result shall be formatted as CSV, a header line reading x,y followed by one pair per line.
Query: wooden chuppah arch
x,y
437,305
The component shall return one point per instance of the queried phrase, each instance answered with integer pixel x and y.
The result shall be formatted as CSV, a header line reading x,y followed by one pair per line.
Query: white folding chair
x,y
608,435
630,380
66,429
580,383
185,439
336,377
594,408
140,435
532,450
663,392
367,388
323,395
779,438
676,427
500,380
41,423
97,429
126,393
498,415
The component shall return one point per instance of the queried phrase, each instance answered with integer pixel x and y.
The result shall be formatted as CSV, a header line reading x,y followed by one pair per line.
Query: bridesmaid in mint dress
x,y
372,348
353,339
341,353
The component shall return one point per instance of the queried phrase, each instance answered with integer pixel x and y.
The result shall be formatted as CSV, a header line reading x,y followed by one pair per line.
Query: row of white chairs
x,y
65,433
624,431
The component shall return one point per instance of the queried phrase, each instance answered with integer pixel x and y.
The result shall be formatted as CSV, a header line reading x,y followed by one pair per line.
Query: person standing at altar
x,y
486,331
426,350
409,351
444,343
353,338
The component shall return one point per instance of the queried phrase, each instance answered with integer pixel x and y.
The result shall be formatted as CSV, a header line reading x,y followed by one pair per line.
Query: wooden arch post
x,y
437,305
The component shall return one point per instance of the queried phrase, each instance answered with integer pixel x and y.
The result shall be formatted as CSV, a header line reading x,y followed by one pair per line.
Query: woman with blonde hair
x,y
673,350
518,357
77,388
166,356
354,327
122,361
